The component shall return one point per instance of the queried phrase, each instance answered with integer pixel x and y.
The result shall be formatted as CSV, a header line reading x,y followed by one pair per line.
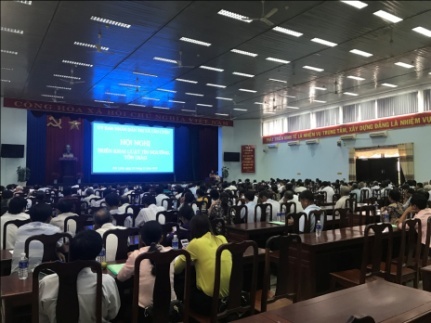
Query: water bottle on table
x,y
23,267
175,242
318,228
102,256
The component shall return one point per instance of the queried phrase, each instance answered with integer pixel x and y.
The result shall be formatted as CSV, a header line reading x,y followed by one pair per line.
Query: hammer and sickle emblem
x,y
53,122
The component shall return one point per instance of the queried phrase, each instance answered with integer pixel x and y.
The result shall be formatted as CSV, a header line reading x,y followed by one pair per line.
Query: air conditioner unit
x,y
312,141
379,134
348,137
272,146
293,143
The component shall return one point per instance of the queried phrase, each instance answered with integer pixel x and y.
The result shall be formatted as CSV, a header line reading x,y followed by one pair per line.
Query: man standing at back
x,y
307,201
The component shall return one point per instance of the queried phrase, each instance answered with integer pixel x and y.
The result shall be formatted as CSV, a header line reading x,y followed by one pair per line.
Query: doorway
x,y
378,169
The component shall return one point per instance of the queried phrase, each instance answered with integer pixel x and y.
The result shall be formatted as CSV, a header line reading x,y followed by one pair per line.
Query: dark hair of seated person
x,y
249,195
65,206
307,195
186,212
101,217
395,195
40,212
151,234
67,191
86,245
189,198
40,197
420,200
199,226
17,205
214,194
112,199
7,194
124,200
148,200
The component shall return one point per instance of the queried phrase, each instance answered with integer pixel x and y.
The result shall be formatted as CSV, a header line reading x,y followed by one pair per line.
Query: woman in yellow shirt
x,y
202,249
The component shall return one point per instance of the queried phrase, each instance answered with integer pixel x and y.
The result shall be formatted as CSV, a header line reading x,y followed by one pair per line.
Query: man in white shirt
x,y
341,203
149,212
15,212
290,197
64,206
249,203
89,195
307,201
329,191
300,187
86,245
124,201
264,196
40,215
160,196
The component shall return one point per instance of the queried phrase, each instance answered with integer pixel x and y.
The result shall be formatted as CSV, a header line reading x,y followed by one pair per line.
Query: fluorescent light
x,y
7,68
211,68
317,69
291,96
11,52
351,93
67,77
242,52
320,88
234,15
323,42
217,85
161,108
28,3
167,60
12,30
110,22
278,60
287,31
204,105
360,52
239,109
145,74
260,103
174,101
247,90
150,99
194,94
137,105
223,98
59,87
319,101
423,31
186,81
78,43
115,94
52,96
65,61
222,114
103,101
356,4
268,112
387,16
196,42
405,65
188,110
389,85
129,85
6,81
356,78
243,74
166,90
275,80
294,108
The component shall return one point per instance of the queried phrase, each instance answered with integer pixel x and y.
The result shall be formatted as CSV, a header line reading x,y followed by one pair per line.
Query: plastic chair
x,y
49,245
17,223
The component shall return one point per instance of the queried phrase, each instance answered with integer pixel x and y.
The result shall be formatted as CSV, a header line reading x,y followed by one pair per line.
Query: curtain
x,y
351,113
427,100
36,146
368,110
352,165
397,105
407,160
327,117
274,126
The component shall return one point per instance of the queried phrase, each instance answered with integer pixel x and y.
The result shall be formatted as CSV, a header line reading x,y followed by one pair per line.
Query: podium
x,y
68,170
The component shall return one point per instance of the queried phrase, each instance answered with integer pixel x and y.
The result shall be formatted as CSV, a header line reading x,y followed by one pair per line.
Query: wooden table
x,y
5,262
385,302
257,231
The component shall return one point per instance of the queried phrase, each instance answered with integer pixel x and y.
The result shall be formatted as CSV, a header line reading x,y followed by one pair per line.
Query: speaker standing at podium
x,y
68,152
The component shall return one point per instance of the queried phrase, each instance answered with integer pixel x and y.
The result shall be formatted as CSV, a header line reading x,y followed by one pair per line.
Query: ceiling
x,y
121,76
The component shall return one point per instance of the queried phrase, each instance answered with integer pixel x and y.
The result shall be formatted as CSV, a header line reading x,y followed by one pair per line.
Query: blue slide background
x,y
120,148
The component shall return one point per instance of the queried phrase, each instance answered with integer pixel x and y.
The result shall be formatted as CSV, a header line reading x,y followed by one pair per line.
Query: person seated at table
x,y
215,201
395,208
124,203
40,215
307,201
112,202
15,212
160,196
149,211
188,199
265,197
326,187
290,197
202,249
344,196
64,207
185,214
89,194
86,245
250,204
151,235
408,193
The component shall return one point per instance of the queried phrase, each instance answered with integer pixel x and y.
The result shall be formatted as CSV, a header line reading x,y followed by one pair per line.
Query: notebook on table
x,y
115,268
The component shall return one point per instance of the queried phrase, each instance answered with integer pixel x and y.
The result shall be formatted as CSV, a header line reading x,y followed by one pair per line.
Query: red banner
x,y
248,162
418,119
53,107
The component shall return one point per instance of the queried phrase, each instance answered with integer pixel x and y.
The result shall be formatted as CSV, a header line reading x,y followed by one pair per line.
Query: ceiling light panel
x,y
243,74
260,103
351,93
356,4
28,3
293,108
166,90
275,80
387,16
194,94
223,98
215,69
319,101
277,60
317,69
355,78
7,68
360,52
186,81
196,42
247,90
103,101
222,114
216,85
320,88
291,96
52,96
324,42
239,109
161,108
59,87
423,31
204,105
174,101
65,61
12,30
166,60
145,74
110,22
78,43
150,99
6,81
234,15
115,94
137,105
129,85
188,110
405,65
242,52
287,31
10,52
389,85
67,77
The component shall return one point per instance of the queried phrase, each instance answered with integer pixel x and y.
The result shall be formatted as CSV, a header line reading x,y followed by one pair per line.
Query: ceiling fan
x,y
98,46
264,18
54,99
71,81
180,62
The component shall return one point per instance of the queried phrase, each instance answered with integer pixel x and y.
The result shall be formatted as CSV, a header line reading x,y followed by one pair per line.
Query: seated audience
x,y
89,194
215,200
264,197
124,203
357,191
160,196
307,201
202,249
86,245
395,208
289,197
149,212
188,199
15,212
5,199
345,194
250,204
112,202
64,207
40,215
329,191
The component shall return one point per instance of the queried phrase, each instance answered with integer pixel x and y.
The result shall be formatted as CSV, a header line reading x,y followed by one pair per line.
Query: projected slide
x,y
132,149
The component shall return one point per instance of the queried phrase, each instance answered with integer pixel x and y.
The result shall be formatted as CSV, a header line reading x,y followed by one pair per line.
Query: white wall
x,y
325,160
13,131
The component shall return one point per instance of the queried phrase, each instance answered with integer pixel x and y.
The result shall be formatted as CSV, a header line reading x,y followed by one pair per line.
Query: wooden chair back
x,y
426,248
296,219
73,224
120,218
202,206
16,223
49,245
67,308
235,214
162,284
136,208
76,205
360,319
167,228
218,226
167,203
318,215
265,211
122,241
286,207
370,214
344,220
335,197
288,247
320,198
365,195
170,216
85,208
135,198
373,250
351,204
376,193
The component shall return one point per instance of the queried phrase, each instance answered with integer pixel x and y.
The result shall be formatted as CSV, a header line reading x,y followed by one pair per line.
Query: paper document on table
x,y
11,251
115,268
277,222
